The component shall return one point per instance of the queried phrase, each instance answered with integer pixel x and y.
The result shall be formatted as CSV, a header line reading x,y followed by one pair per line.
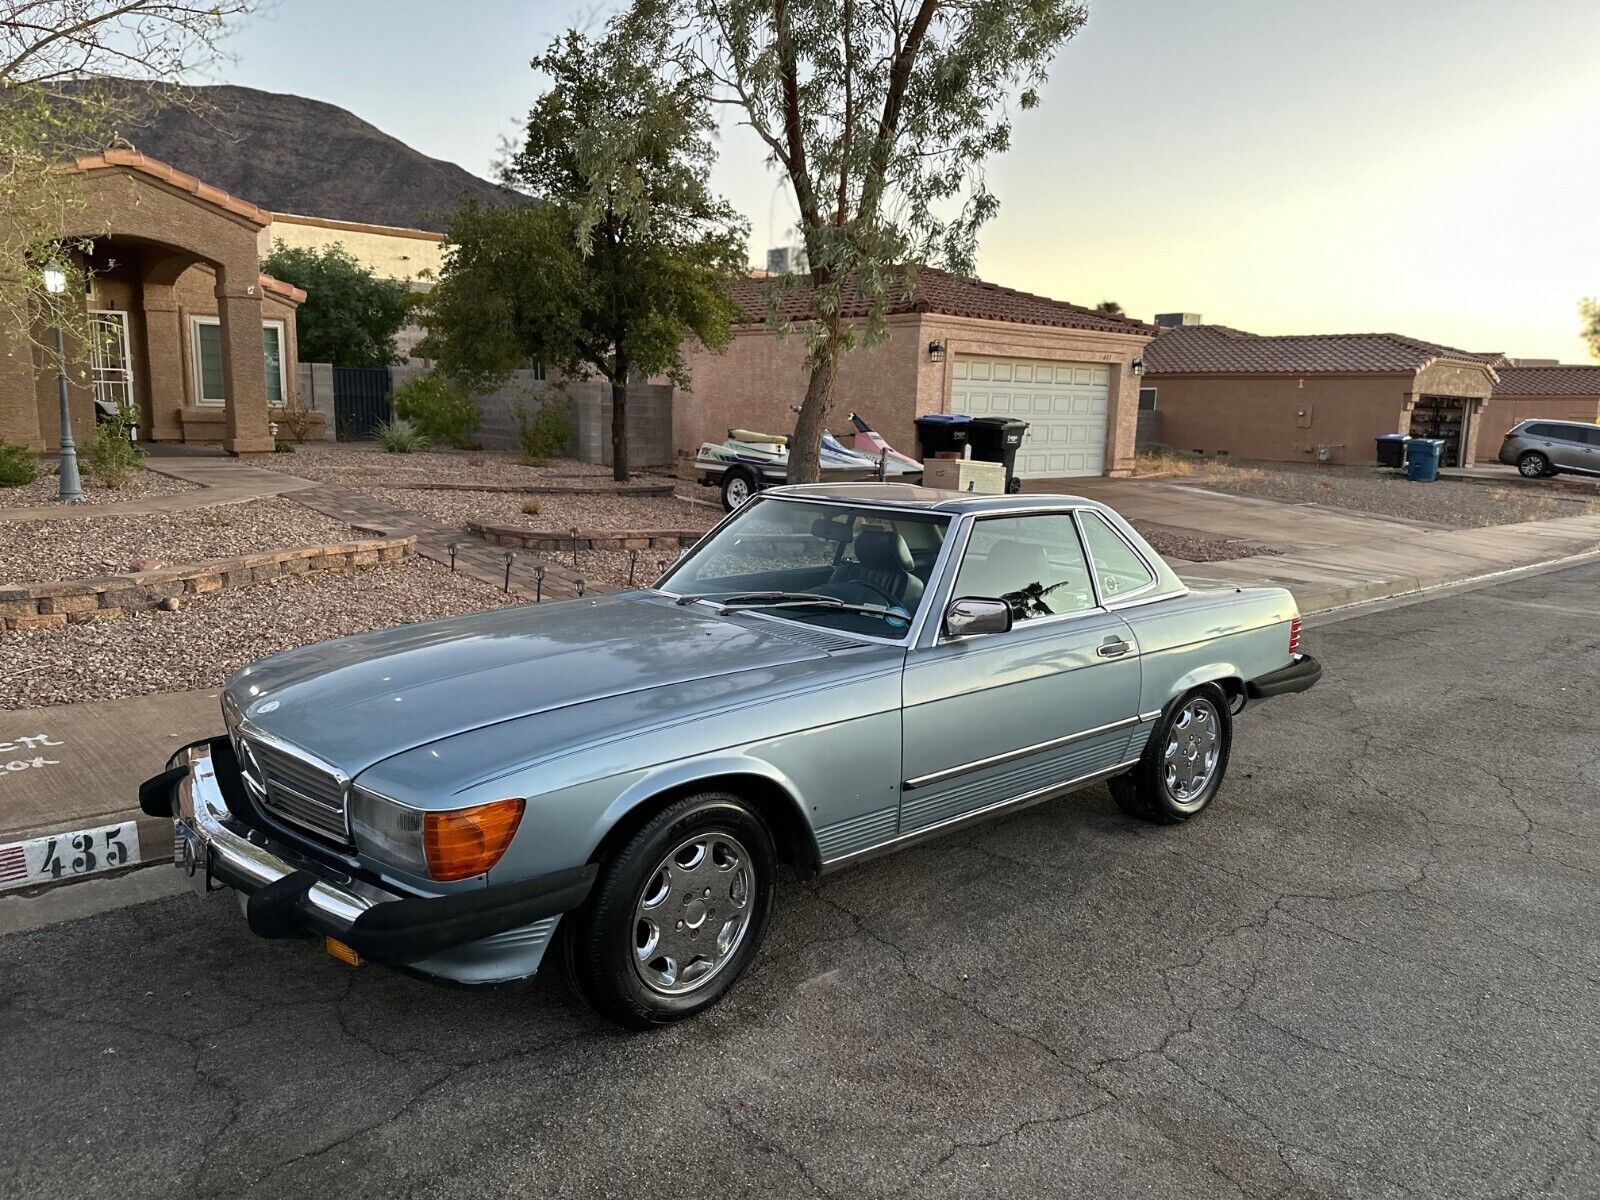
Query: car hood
x,y
358,700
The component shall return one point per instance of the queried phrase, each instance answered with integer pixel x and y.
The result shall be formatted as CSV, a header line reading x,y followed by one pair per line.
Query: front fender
x,y
686,774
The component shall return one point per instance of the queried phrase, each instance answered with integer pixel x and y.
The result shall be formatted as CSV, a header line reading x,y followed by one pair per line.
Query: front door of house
x,y
110,364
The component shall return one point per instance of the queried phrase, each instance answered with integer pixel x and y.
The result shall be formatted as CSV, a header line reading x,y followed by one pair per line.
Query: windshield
x,y
860,570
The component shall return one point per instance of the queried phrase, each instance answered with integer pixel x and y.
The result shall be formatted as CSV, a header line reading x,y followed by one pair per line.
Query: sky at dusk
x,y
1430,167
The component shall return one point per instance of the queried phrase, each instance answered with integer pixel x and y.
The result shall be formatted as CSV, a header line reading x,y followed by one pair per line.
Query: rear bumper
x,y
1298,676
489,935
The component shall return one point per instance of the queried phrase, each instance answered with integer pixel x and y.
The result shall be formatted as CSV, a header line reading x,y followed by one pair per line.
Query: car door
x,y
1566,447
999,718
1591,448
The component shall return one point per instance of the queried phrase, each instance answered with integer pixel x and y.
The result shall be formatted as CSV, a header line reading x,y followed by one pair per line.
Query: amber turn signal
x,y
469,841
343,953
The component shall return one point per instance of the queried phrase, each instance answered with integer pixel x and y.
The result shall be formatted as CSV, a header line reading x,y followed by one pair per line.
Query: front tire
x,y
1183,763
1534,465
677,913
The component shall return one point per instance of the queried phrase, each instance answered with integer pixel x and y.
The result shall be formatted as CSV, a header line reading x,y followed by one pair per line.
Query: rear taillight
x,y
1294,636
1510,433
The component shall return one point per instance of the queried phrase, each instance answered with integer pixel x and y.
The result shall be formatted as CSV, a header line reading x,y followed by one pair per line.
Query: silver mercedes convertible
x,y
832,672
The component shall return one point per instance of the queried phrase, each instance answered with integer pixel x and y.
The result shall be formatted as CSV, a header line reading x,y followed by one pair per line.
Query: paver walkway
x,y
221,480
473,556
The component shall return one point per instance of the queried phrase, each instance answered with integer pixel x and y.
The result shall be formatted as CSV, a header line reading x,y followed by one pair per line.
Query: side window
x,y
1120,569
1544,431
1035,564
1591,434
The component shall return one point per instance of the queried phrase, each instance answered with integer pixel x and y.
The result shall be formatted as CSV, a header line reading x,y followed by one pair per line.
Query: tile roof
x,y
286,291
132,160
1218,350
937,291
1564,380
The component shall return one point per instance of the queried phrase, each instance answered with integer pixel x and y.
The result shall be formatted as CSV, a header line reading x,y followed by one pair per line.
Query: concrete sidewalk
x,y
1328,577
75,768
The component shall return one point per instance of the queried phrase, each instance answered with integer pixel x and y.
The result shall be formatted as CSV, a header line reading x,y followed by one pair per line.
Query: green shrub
x,y
440,409
401,437
282,447
18,466
544,432
112,457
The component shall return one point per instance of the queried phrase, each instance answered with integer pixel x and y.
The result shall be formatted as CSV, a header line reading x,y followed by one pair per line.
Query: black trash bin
x,y
1392,450
997,439
942,433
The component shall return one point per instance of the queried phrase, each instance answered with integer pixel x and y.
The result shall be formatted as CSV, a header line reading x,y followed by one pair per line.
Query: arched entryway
x,y
192,331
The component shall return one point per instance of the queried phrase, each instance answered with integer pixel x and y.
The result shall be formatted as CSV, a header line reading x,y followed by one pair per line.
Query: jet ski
x,y
748,461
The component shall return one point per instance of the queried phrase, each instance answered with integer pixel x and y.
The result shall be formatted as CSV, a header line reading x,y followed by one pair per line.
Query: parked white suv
x,y
1537,448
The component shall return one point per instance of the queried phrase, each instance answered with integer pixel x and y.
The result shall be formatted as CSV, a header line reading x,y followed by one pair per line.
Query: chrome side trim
x,y
995,760
1149,716
1015,802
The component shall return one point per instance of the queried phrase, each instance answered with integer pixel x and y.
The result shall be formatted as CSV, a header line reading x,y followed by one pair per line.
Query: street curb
x,y
152,845
1449,586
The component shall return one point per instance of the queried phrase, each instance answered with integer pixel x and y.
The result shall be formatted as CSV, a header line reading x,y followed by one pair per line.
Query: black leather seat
x,y
883,572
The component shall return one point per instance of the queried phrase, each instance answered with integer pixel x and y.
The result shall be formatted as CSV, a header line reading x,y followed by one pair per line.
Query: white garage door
x,y
1063,403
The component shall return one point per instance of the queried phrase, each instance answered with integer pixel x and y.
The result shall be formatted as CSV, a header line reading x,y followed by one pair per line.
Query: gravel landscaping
x,y
1385,493
202,644
43,490
554,512
358,464
1171,543
33,551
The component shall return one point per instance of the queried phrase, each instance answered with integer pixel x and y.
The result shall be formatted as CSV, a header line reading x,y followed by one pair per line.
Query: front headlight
x,y
451,845
390,832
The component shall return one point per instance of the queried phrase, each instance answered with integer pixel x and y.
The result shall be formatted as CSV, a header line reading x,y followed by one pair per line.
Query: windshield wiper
x,y
803,600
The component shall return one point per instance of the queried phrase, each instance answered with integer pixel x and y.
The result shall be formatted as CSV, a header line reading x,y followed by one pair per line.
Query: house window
x,y
1147,399
208,376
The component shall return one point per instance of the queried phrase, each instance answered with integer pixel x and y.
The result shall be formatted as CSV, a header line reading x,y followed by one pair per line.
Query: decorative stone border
x,y
555,541
56,605
541,489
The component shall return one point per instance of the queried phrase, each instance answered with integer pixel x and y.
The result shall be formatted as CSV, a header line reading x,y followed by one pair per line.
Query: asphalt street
x,y
1372,969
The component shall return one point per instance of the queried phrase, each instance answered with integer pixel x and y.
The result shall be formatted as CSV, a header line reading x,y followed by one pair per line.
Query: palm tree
x,y
1109,306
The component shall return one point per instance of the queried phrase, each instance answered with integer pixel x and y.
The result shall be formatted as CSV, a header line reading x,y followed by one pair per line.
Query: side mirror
x,y
971,615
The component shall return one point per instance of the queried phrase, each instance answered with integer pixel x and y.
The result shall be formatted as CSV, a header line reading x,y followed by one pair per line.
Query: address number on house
x,y
68,855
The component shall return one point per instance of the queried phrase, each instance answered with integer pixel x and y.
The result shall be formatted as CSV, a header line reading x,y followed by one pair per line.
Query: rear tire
x,y
738,485
676,915
1534,465
1183,763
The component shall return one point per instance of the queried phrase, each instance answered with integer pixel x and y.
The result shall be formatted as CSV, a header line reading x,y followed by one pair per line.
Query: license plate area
x,y
191,856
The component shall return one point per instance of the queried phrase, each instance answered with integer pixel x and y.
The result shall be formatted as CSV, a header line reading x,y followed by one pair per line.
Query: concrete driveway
x,y
1198,511
1372,969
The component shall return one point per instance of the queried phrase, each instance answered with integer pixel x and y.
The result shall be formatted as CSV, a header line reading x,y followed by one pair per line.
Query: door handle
x,y
1112,647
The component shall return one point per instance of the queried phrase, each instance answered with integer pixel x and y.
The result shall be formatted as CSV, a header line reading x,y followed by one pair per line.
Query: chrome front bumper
x,y
494,935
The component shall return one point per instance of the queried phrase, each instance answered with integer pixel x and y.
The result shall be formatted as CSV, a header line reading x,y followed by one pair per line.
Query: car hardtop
x,y
914,498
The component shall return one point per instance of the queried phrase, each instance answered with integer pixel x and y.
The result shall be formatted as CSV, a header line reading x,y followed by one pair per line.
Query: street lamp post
x,y
71,489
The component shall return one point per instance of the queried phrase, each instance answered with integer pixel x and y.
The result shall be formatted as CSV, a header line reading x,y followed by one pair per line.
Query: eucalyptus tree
x,y
626,252
881,114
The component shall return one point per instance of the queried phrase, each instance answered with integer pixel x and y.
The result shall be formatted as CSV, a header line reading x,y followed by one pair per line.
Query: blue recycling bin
x,y
1392,450
1422,459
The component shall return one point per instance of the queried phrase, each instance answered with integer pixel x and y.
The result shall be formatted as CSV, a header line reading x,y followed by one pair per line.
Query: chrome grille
x,y
302,792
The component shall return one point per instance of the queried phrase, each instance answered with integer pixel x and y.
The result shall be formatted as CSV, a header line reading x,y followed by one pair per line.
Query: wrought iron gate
x,y
360,401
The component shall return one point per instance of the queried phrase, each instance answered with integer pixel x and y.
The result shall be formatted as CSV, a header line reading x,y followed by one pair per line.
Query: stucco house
x,y
189,328
1314,398
953,345
1557,392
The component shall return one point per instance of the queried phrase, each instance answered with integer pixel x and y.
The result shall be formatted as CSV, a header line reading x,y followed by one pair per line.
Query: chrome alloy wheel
x,y
1194,743
692,914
